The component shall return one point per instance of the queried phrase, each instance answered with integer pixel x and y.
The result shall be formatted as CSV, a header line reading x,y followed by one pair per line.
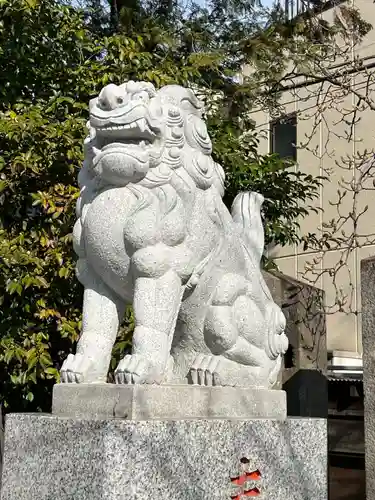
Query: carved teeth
x,y
95,150
141,124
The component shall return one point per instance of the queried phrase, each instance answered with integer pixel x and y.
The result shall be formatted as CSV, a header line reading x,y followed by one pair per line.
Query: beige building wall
x,y
327,145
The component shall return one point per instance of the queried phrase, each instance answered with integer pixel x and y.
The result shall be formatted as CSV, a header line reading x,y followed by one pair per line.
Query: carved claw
x,y
75,369
135,369
208,370
204,370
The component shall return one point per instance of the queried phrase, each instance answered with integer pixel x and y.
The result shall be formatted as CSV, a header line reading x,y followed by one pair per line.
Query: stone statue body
x,y
153,231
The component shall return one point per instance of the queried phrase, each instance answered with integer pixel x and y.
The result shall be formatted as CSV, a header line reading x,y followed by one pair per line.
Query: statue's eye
x,y
120,100
141,96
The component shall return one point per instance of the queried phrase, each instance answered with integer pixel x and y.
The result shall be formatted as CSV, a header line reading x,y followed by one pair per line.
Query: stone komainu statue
x,y
153,231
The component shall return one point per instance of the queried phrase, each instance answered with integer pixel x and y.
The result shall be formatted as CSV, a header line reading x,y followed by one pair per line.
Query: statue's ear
x,y
192,104
183,98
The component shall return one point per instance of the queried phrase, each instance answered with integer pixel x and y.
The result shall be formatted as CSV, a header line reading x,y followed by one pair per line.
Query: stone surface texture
x,y
48,457
153,231
368,342
148,402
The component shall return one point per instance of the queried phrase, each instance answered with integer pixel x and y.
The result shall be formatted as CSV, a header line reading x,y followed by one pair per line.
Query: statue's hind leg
x,y
235,333
102,313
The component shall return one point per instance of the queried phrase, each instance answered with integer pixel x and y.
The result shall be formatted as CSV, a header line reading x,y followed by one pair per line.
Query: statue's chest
x,y
105,217
110,206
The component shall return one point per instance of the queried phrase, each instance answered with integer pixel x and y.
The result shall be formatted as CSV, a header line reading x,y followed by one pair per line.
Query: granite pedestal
x,y
179,444
49,457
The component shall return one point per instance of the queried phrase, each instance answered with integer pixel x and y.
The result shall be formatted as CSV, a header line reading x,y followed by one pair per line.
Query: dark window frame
x,y
281,120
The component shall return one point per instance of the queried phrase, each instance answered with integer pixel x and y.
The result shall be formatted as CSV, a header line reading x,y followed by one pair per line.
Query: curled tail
x,y
246,215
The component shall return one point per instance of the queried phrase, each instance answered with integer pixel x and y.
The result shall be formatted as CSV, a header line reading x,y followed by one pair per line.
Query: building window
x,y
283,137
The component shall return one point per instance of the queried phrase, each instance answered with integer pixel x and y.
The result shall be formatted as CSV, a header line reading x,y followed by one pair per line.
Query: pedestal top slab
x,y
173,402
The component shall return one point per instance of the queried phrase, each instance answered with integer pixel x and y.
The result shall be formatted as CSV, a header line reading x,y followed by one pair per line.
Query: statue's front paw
x,y
75,369
136,369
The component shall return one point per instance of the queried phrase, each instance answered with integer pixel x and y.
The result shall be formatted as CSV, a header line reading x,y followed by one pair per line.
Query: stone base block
x,y
49,457
307,394
179,402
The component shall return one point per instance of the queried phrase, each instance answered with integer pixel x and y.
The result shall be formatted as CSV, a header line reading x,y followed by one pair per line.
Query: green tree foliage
x,y
54,58
51,66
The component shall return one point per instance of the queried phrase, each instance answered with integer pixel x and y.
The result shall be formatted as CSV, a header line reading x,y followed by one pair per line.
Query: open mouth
x,y
137,133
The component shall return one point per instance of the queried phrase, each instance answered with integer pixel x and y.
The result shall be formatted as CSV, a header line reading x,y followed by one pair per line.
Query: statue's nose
x,y
110,98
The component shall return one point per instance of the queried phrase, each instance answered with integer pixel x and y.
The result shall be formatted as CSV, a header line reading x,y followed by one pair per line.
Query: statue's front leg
x,y
156,305
102,313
